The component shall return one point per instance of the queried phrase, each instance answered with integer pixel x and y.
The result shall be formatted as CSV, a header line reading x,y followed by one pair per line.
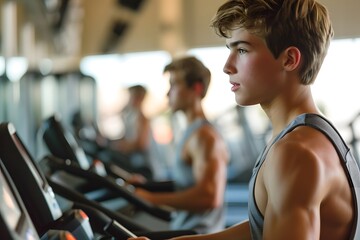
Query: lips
x,y
235,86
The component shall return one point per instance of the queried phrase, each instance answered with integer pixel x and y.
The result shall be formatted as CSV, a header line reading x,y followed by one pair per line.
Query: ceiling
x,y
77,28
170,25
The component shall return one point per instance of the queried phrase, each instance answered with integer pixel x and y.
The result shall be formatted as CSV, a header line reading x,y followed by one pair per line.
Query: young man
x,y
201,157
299,188
134,146
136,124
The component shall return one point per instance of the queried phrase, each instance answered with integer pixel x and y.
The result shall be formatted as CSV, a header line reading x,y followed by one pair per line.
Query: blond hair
x,y
304,24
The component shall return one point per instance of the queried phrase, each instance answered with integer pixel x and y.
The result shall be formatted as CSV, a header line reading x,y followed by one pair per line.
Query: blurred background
x,y
79,56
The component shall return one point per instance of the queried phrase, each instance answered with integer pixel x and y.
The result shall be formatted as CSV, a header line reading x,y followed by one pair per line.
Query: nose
x,y
229,67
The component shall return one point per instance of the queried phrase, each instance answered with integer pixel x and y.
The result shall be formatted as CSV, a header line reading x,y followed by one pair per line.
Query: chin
x,y
174,109
243,102
240,101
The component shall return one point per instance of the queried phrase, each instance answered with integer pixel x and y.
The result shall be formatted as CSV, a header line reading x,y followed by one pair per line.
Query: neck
x,y
283,110
194,113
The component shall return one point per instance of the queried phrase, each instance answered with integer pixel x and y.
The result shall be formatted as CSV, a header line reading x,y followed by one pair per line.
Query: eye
x,y
241,51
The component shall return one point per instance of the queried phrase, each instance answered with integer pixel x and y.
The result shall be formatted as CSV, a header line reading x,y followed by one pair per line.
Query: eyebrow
x,y
234,44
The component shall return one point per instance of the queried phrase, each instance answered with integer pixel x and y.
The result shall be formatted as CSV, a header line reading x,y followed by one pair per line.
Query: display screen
x,y
29,161
10,209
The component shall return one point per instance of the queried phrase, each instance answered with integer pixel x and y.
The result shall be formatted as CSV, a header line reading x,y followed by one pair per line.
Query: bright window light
x,y
338,83
16,68
114,73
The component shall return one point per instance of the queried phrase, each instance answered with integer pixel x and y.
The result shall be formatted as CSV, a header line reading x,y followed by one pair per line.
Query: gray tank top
x,y
349,164
204,222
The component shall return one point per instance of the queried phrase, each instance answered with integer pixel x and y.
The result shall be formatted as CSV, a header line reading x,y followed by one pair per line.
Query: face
x,y
255,75
180,96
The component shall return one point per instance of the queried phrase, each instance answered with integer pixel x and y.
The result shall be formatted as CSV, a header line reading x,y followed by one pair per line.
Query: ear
x,y
292,58
198,87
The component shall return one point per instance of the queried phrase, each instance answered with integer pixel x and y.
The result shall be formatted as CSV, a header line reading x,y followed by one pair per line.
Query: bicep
x,y
209,157
209,160
293,184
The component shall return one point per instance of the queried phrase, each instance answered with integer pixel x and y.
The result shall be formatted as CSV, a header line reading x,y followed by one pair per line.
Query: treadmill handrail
x,y
74,196
158,211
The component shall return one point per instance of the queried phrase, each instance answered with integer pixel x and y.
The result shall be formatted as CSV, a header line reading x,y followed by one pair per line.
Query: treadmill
x,y
15,222
43,208
35,192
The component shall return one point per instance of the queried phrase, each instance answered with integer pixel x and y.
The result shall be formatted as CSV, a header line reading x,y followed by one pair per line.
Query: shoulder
x,y
207,139
305,153
207,133
305,145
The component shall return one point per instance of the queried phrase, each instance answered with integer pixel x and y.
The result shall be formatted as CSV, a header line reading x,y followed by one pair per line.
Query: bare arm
x,y
209,157
295,186
239,231
141,141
